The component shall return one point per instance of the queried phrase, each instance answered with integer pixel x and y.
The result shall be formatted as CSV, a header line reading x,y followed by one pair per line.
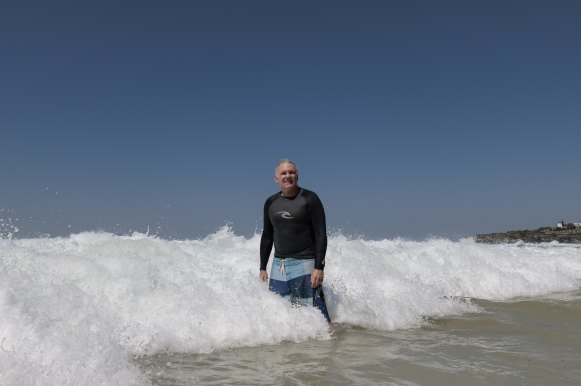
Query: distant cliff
x,y
541,235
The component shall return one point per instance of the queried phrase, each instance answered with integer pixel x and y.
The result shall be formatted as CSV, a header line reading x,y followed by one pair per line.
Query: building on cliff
x,y
563,225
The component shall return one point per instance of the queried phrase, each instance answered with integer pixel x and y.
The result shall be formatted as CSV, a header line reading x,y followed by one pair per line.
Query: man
x,y
294,221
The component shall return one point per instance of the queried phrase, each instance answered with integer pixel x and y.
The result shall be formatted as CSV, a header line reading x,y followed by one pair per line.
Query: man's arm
x,y
266,240
319,225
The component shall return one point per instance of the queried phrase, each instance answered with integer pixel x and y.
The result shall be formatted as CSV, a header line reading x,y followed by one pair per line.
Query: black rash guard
x,y
296,226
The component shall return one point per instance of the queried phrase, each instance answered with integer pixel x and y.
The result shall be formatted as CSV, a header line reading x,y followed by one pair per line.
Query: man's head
x,y
286,175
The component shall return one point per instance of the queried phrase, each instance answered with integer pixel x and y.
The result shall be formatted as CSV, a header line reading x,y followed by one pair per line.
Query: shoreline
x,y
540,235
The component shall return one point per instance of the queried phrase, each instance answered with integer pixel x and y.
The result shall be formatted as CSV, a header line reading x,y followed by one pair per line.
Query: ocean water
x,y
102,309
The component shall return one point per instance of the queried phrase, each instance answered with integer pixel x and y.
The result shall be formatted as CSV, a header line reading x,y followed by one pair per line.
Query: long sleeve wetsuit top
x,y
296,226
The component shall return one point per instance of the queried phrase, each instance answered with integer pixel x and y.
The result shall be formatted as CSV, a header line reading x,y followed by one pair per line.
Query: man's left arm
x,y
318,222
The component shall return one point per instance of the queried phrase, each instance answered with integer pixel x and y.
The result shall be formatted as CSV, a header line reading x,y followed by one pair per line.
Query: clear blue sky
x,y
408,118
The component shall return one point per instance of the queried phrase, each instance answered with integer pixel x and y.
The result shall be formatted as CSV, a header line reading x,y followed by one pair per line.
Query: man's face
x,y
286,176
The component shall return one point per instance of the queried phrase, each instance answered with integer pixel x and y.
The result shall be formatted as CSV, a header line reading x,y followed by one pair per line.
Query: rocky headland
x,y
541,235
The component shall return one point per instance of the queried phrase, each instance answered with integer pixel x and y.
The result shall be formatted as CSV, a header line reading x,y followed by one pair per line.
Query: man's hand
x,y
263,276
316,278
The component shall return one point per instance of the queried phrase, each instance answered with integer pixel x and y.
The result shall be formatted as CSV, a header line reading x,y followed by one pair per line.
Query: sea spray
x,y
78,310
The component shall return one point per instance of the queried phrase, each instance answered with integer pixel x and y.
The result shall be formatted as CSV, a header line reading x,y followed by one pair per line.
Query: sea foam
x,y
78,310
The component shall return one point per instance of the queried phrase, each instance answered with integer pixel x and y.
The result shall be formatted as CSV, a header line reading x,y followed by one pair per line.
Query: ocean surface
x,y
103,309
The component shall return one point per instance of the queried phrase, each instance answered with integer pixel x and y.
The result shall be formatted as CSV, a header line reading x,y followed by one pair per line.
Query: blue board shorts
x,y
292,277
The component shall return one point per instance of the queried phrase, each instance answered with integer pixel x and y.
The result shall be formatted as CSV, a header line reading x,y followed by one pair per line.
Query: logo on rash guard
x,y
285,214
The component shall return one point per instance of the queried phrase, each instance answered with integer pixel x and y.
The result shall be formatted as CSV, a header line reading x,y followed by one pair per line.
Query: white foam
x,y
76,310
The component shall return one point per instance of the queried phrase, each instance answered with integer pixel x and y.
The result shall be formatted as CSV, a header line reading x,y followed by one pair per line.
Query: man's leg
x,y
319,301
299,284
278,279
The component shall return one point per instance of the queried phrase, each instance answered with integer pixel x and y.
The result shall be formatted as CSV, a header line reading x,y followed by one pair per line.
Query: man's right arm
x,y
267,239
265,249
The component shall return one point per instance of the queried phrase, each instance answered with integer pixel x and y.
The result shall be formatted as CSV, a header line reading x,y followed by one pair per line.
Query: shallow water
x,y
521,342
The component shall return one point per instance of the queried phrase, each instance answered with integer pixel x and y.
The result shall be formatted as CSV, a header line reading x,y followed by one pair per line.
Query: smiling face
x,y
287,178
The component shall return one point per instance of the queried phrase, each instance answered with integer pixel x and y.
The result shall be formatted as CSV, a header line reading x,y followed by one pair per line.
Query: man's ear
x,y
275,179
